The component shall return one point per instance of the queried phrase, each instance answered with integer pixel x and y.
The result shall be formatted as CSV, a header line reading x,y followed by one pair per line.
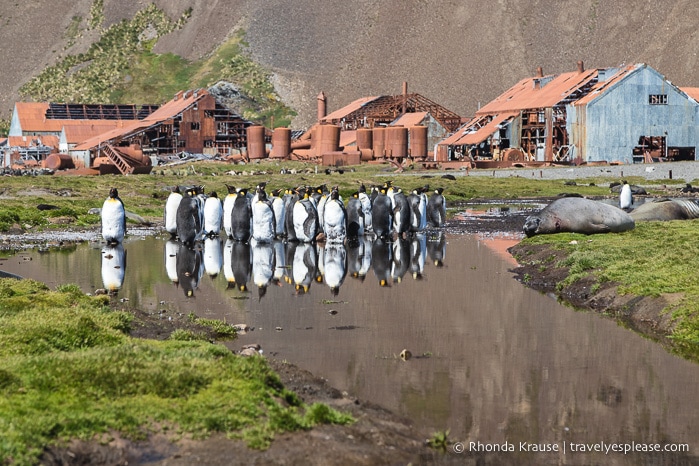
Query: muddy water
x,y
492,361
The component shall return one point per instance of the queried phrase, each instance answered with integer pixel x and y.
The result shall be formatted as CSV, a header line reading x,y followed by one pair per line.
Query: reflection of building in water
x,y
113,267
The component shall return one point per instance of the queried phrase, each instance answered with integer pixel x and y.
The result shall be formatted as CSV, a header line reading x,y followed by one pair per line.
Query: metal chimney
x,y
405,97
539,72
322,106
581,66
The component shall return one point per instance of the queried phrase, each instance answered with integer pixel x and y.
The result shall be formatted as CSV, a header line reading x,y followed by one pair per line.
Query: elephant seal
x,y
666,209
578,215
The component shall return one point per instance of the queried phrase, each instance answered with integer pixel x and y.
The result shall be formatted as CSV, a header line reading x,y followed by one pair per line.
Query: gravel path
x,y
672,171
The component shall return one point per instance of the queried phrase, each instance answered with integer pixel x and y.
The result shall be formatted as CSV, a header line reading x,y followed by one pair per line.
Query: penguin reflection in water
x,y
113,267
237,264
113,218
189,269
335,266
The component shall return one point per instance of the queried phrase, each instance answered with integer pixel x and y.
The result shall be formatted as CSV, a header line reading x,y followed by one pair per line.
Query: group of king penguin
x,y
305,214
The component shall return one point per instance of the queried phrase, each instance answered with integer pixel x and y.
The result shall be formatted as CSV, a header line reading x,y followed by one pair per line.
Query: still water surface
x,y
493,361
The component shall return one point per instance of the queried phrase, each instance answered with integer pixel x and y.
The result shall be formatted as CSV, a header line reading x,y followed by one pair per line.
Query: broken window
x,y
194,126
657,99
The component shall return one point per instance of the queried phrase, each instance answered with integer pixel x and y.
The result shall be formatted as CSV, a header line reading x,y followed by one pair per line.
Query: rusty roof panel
x,y
80,130
410,119
539,92
349,108
32,141
471,135
602,86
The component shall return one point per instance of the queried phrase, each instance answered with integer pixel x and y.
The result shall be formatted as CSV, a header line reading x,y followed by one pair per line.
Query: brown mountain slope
x,y
458,53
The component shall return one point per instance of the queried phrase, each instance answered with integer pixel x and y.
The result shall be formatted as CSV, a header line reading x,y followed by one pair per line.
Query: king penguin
x,y
213,214
113,218
278,208
355,217
305,218
436,209
382,214
626,197
241,217
189,218
335,218
401,211
228,202
263,220
173,201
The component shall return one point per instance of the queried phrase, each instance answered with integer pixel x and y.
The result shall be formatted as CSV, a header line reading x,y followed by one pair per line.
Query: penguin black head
x,y
231,189
362,188
113,193
243,192
176,189
276,192
213,194
439,190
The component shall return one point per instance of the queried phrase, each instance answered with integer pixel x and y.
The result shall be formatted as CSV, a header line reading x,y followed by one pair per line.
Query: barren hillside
x,y
458,53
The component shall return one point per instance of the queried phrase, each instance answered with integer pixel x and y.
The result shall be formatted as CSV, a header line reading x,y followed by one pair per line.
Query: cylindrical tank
x,y
396,142
59,162
366,155
328,139
379,141
364,138
281,143
418,142
256,142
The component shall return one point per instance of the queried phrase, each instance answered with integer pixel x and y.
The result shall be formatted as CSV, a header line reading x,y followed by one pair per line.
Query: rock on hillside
x,y
460,54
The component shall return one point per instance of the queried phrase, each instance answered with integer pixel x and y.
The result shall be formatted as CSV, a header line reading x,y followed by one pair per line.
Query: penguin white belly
x,y
113,221
262,264
263,222
335,224
305,221
171,248
213,214
278,208
227,211
625,198
335,260
173,202
366,207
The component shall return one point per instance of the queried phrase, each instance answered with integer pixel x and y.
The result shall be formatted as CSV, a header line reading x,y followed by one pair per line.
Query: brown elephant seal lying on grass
x,y
578,215
666,209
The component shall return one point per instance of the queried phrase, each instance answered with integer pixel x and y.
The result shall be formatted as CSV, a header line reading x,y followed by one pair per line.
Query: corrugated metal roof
x,y
602,86
468,136
32,117
410,119
347,138
168,110
80,130
529,93
32,141
349,108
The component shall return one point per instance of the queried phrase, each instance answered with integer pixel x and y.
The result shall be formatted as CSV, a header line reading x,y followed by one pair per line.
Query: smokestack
x,y
539,72
581,66
322,106
405,96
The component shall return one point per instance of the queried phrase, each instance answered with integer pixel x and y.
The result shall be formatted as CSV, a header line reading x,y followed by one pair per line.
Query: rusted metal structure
x,y
192,122
614,115
372,112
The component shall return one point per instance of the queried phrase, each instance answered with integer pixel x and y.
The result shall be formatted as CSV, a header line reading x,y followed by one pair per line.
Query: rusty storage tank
x,y
379,141
256,142
418,141
58,162
364,143
328,139
396,142
281,143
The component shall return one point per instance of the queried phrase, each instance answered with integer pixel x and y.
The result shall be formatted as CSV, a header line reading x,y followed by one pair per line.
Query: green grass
x,y
69,370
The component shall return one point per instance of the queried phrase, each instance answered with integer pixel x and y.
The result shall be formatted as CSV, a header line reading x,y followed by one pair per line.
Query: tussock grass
x,y
68,370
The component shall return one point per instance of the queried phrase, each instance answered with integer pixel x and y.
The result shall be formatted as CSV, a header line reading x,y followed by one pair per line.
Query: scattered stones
x,y
405,355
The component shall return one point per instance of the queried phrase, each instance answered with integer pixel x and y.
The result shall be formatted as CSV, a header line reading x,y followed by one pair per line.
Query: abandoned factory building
x,y
625,114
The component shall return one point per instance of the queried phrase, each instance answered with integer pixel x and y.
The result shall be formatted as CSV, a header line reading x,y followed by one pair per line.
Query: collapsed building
x,y
614,115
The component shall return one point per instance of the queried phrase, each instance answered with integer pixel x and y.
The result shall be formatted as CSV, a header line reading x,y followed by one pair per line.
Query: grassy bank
x,y
655,259
145,195
68,369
